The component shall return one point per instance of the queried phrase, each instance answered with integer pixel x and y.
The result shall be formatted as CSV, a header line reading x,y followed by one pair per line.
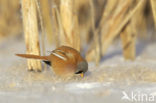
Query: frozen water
x,y
104,84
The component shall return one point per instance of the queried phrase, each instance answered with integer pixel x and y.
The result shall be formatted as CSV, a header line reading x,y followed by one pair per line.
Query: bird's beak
x,y
82,75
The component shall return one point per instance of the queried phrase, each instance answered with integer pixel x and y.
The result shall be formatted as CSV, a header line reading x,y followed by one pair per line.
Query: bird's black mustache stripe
x,y
79,72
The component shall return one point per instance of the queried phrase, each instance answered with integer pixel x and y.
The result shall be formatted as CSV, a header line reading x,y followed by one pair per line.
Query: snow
x,y
102,84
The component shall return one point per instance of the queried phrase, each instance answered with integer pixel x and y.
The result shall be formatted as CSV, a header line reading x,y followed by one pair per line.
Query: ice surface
x,y
103,84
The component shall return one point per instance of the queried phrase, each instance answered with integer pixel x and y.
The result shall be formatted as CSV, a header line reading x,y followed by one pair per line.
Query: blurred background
x,y
96,24
10,19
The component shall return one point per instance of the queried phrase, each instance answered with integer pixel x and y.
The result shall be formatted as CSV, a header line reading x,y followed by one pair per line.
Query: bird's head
x,y
82,67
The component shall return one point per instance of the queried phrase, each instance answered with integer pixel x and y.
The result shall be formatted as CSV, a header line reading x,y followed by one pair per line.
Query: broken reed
x,y
30,26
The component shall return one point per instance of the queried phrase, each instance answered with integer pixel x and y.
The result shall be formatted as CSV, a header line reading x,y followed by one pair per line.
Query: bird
x,y
64,60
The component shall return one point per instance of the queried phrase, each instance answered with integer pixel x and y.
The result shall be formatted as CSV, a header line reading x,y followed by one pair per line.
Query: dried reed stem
x,y
97,57
117,23
47,22
96,47
83,9
10,22
69,20
42,30
109,9
128,42
111,22
111,25
60,32
128,35
31,32
153,4
139,22
55,24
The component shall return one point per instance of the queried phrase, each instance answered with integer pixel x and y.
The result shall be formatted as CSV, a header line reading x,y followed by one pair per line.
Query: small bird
x,y
65,61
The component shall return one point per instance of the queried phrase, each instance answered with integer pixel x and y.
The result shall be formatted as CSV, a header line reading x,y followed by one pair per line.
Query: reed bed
x,y
86,25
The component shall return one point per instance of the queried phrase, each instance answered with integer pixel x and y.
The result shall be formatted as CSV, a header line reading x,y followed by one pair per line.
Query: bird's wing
x,y
60,54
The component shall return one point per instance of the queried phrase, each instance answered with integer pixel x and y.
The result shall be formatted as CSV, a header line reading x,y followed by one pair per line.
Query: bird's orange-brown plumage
x,y
31,56
64,60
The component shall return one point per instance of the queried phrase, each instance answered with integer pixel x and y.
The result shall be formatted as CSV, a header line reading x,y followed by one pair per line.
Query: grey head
x,y
82,67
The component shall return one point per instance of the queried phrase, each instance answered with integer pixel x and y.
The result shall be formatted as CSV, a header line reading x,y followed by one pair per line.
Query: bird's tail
x,y
31,56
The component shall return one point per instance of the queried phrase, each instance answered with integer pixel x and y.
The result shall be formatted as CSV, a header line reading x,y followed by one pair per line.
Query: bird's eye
x,y
79,72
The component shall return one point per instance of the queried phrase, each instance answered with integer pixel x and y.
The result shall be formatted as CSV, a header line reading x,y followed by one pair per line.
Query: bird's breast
x,y
62,67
